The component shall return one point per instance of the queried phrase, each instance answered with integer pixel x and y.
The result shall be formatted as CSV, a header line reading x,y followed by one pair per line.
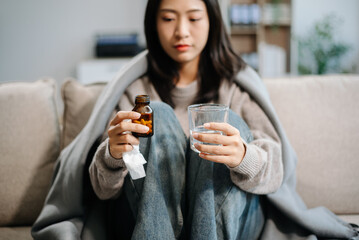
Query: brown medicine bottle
x,y
142,105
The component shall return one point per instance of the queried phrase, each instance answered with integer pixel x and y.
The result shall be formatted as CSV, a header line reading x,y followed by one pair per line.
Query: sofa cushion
x,y
18,233
79,101
320,116
350,218
30,144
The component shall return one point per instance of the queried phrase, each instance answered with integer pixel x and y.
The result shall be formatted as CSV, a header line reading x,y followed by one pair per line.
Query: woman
x,y
190,60
184,195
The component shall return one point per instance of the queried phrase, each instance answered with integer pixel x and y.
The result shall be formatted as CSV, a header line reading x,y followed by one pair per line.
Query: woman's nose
x,y
182,29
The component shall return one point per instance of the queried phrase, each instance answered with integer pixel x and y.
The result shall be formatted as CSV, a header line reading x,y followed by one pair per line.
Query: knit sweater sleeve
x,y
107,174
261,170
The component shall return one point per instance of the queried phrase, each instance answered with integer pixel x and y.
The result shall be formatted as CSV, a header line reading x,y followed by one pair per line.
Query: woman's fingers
x,y
230,134
119,133
124,139
226,128
229,161
117,150
213,149
212,138
122,143
122,115
229,148
125,126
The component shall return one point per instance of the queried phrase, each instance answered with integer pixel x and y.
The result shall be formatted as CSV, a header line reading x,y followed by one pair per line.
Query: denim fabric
x,y
184,196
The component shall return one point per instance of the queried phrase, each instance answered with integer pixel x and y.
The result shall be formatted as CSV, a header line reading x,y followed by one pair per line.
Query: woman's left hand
x,y
232,150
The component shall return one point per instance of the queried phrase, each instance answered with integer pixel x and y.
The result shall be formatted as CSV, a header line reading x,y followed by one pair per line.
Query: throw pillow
x,y
79,101
30,145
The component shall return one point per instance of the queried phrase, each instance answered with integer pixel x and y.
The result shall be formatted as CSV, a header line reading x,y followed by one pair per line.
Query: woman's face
x,y
183,27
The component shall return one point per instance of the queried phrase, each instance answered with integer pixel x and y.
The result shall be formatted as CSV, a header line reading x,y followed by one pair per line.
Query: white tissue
x,y
134,161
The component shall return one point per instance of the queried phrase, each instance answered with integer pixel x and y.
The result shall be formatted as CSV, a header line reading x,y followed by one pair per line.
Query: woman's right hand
x,y
119,133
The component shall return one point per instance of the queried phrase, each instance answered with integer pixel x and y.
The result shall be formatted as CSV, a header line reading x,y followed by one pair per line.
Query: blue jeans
x,y
184,196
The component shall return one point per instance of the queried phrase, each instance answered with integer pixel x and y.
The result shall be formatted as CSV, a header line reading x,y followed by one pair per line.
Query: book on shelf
x,y
279,13
244,14
272,60
269,13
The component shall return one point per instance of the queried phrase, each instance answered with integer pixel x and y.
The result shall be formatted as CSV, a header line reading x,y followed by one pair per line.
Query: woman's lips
x,y
182,47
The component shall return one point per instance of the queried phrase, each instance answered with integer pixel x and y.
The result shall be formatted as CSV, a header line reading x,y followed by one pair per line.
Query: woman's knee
x,y
165,120
162,108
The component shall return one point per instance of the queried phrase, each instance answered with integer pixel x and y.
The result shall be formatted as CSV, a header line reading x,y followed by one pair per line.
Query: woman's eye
x,y
166,19
195,19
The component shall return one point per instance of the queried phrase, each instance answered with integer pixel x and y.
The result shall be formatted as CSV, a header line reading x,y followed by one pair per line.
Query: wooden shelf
x,y
244,29
244,43
281,1
279,23
243,1
272,29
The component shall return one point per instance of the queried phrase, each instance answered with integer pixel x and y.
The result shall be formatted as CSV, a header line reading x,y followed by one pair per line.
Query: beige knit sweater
x,y
261,170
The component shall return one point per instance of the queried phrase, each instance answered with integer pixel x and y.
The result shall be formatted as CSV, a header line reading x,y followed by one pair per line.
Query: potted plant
x,y
319,52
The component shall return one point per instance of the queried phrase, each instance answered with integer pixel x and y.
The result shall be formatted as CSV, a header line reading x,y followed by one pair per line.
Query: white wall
x,y
49,38
306,12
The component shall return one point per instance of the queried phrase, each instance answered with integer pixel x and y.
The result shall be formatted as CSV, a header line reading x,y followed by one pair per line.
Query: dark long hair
x,y
218,60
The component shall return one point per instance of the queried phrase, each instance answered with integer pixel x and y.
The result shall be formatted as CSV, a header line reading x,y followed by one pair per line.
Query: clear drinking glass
x,y
199,114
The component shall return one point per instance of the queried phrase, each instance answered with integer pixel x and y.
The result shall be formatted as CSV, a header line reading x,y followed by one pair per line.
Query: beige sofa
x,y
320,115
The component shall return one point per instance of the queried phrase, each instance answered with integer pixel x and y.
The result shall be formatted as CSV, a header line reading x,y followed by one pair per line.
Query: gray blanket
x,y
68,213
